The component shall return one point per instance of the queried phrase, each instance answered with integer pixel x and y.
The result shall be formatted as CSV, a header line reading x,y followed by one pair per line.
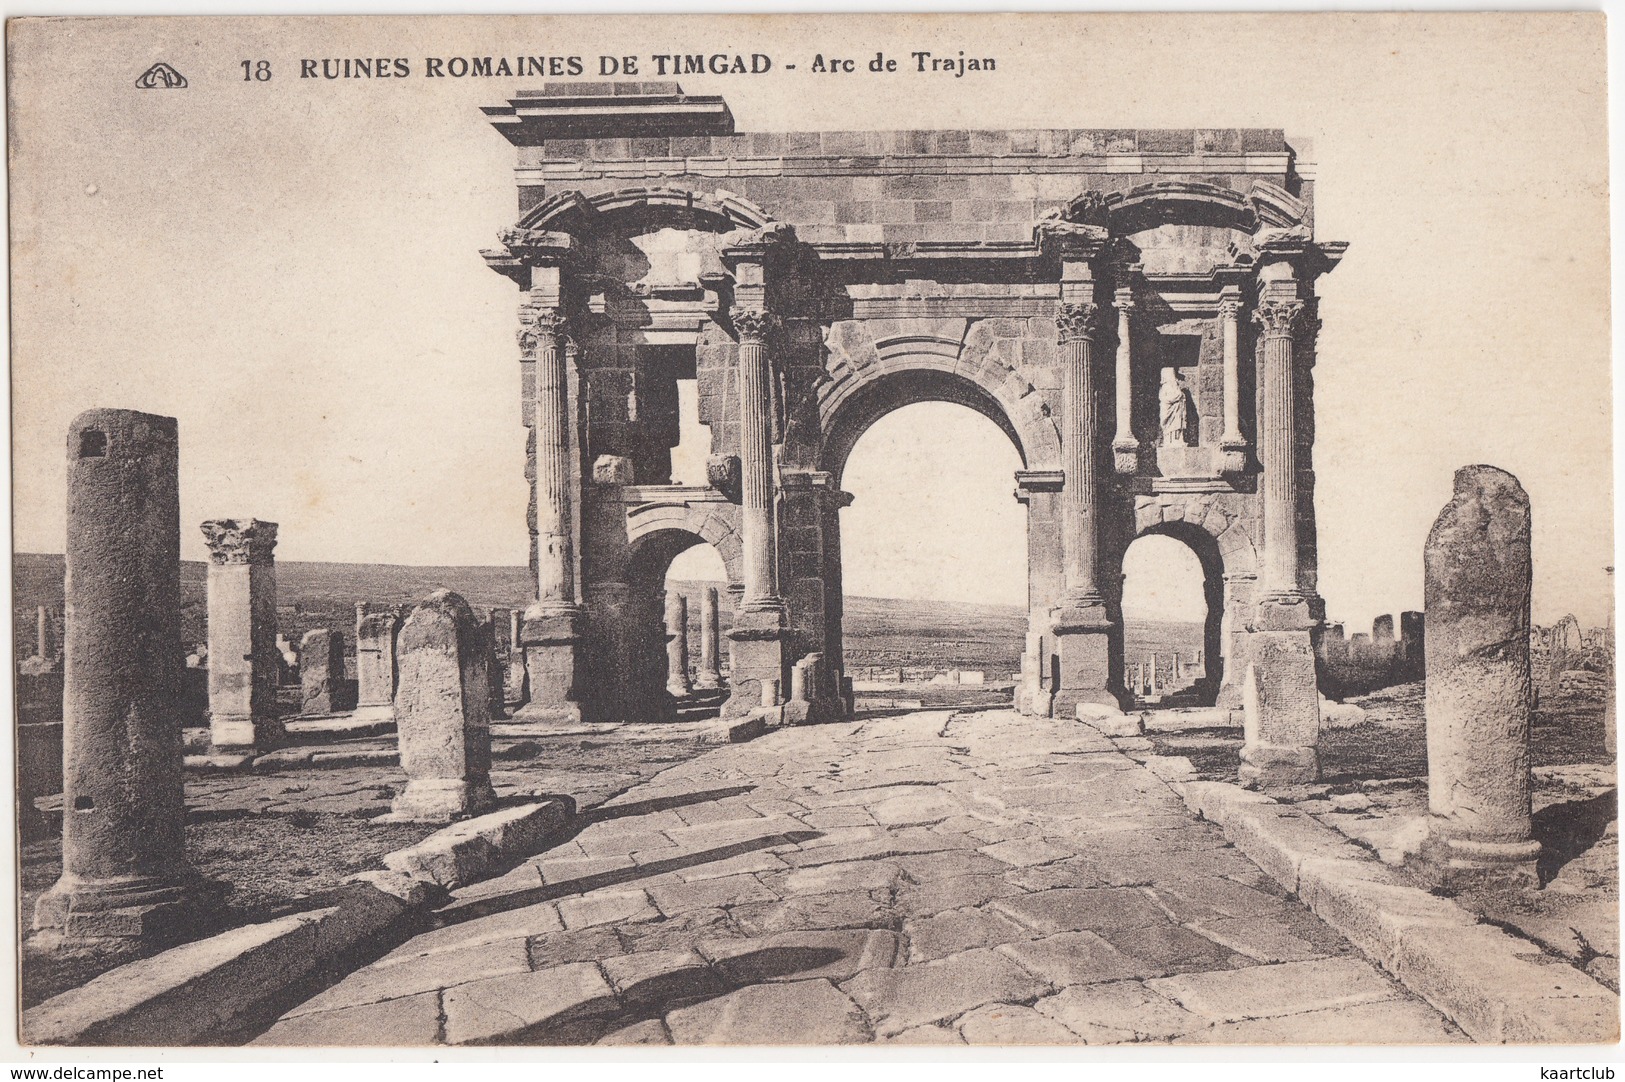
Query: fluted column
x,y
1229,317
1125,448
756,460
1079,439
1278,444
555,551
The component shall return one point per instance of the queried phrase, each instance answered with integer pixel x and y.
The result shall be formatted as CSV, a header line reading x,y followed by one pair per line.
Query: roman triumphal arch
x,y
1135,309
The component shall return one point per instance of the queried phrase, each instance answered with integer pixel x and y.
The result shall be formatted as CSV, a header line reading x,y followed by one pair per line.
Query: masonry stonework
x,y
810,283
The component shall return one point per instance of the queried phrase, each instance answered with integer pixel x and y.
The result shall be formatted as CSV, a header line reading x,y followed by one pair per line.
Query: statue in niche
x,y
1175,403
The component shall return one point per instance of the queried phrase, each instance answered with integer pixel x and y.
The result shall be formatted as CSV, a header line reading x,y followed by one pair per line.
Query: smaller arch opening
x,y
679,652
1172,608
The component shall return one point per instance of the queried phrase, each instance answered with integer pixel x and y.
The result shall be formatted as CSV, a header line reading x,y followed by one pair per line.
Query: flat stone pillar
x,y
1281,703
375,668
124,870
1476,570
442,712
516,680
321,667
1081,627
759,621
1232,444
1041,492
551,632
1125,447
677,682
242,635
710,675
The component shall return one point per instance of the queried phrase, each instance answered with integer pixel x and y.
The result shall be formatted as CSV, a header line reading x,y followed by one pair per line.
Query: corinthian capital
x,y
1230,307
752,324
1277,317
239,540
1076,322
539,326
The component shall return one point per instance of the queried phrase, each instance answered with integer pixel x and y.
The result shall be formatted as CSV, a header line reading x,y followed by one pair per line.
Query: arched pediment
x,y
1188,202
639,208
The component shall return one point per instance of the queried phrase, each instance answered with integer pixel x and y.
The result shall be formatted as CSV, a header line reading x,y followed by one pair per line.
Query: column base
x,y
1083,650
1456,863
677,691
440,800
373,713
1267,767
708,682
554,663
241,733
158,909
1126,456
757,679
1232,454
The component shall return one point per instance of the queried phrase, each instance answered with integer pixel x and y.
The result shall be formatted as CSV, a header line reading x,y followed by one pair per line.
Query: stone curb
x,y
478,848
1498,988
197,991
191,992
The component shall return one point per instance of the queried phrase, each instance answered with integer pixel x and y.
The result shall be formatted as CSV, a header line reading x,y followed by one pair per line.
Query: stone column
x,y
1476,569
1081,626
677,682
710,675
124,868
242,635
1125,448
375,631
1280,696
321,667
758,631
1279,442
442,713
1232,444
551,629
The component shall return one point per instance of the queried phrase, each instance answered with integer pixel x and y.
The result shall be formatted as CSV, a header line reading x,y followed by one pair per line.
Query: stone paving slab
x,y
929,878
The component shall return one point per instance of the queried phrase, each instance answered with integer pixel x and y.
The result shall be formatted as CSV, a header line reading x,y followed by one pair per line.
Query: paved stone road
x,y
925,878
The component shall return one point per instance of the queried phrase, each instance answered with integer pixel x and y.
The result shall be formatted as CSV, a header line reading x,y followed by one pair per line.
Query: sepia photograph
x,y
1029,531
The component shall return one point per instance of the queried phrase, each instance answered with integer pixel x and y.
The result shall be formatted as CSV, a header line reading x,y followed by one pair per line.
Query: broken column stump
x,y
125,876
242,635
321,668
1477,571
442,712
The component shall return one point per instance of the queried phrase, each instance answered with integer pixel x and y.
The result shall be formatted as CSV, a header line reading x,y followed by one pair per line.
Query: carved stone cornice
x,y
1277,317
1070,240
752,324
1077,322
1087,208
757,245
239,540
539,247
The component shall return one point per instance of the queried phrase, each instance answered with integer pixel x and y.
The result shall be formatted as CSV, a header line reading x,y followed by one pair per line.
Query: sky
x,y
291,267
